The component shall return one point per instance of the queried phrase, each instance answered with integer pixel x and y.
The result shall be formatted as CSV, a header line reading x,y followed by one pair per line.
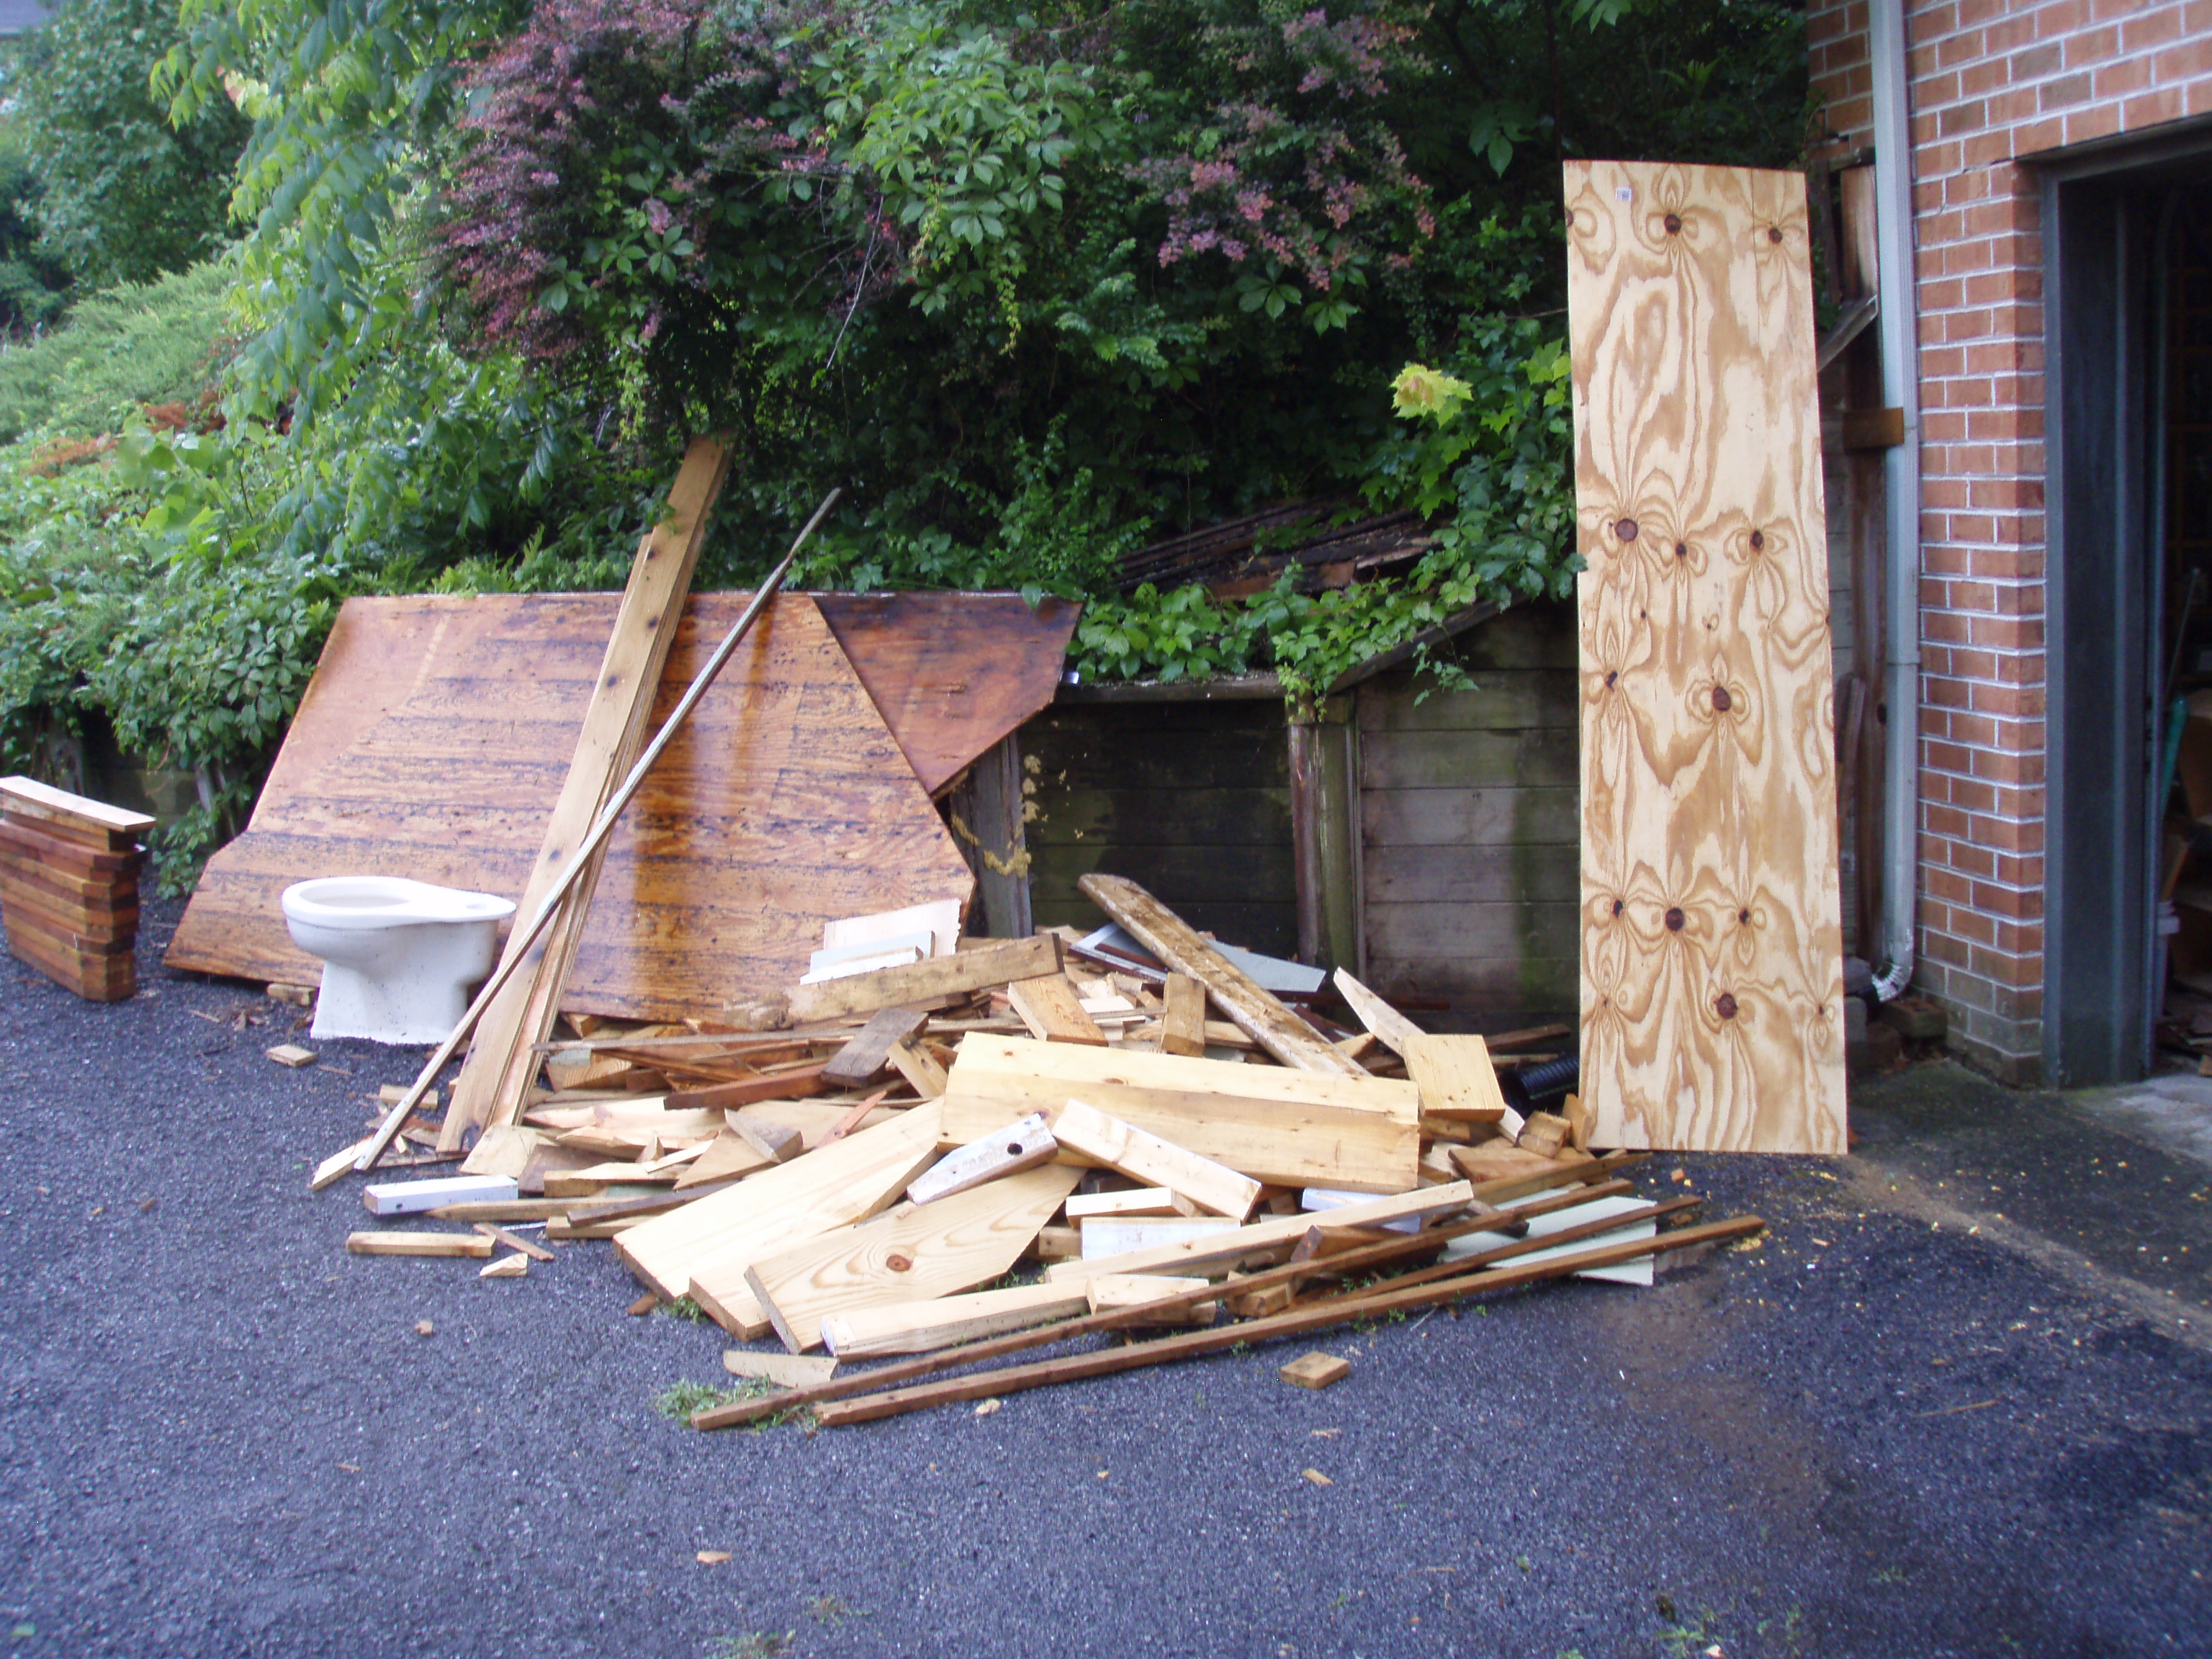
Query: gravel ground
x,y
1948,1405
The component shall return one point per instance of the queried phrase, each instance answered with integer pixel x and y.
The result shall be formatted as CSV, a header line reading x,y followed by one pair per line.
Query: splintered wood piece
x,y
1249,1004
1456,1080
1059,1244
1272,1124
1389,1027
336,1165
1534,1175
507,1266
499,1235
505,1149
863,1060
918,1067
1223,1251
954,1244
1316,1370
1115,1292
1053,1009
1578,1117
852,1120
925,981
1712,942
292,1055
495,1077
786,1371
634,1206
1147,1157
704,1248
1020,1146
1182,1025
374,1243
922,1327
390,1094
1545,1134
1136,1200
776,1143
794,1084
728,1156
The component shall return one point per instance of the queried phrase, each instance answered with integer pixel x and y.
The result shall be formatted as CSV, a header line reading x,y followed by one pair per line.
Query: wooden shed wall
x,y
1191,799
1470,832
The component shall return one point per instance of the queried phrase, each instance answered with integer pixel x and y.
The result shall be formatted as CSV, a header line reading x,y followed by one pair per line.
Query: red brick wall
x,y
1993,83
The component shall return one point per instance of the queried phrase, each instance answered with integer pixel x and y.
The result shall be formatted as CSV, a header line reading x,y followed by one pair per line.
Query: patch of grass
x,y
683,1308
753,1644
831,1610
679,1399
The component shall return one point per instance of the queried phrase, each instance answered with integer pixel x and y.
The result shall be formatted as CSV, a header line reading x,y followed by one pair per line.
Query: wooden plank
x,y
1496,816
1712,946
1223,1250
1472,875
865,1058
922,981
786,1371
1134,1200
433,742
1316,1370
1020,1146
954,1244
78,817
1182,1028
475,1245
414,1197
22,840
507,1266
1274,1124
1110,1235
1390,1027
918,1067
924,1327
499,1235
112,979
1051,1007
1118,1293
1168,936
1541,757
793,1085
495,1077
834,1184
1457,1080
952,673
1147,1157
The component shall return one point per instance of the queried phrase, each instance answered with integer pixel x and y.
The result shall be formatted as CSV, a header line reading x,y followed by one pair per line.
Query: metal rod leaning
x,y
601,828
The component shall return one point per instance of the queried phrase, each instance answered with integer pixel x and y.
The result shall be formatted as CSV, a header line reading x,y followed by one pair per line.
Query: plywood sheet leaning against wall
x,y
435,737
1711,951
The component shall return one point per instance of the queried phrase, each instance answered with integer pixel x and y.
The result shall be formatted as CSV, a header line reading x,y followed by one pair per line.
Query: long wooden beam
x,y
1250,1005
1396,1250
1298,1322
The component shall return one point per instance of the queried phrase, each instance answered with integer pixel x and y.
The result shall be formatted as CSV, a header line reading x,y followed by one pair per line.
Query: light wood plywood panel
x,y
1711,951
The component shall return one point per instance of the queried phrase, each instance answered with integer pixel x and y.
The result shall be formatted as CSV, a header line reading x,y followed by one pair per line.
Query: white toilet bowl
x,y
399,956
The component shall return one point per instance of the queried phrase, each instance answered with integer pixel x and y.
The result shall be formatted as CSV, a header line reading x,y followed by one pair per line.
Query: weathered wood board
x,y
1712,1009
952,672
433,741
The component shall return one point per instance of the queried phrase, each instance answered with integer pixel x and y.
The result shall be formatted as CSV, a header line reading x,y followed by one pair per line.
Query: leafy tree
x,y
127,196
31,283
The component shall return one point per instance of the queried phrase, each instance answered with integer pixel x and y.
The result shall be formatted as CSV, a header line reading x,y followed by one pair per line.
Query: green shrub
x,y
152,342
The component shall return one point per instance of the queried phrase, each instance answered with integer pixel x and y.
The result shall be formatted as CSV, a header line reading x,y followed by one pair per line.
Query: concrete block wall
x,y
1994,84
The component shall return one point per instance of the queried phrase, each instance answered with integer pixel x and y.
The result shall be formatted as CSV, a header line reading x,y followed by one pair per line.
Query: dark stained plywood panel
x,y
1711,950
1212,817
1514,700
433,743
1500,993
952,673
1405,932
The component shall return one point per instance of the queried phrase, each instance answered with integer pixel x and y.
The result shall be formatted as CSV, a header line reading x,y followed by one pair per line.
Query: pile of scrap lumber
x,y
967,1154
69,887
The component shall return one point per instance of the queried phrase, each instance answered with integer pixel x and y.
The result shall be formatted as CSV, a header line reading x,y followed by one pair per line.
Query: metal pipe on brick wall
x,y
1900,374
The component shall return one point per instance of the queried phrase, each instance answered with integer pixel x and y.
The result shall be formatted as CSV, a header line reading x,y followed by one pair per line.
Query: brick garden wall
x,y
1993,84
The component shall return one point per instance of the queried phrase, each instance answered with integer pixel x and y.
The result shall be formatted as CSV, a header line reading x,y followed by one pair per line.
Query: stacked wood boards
x,y
1274,1124
1711,950
69,887
433,741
